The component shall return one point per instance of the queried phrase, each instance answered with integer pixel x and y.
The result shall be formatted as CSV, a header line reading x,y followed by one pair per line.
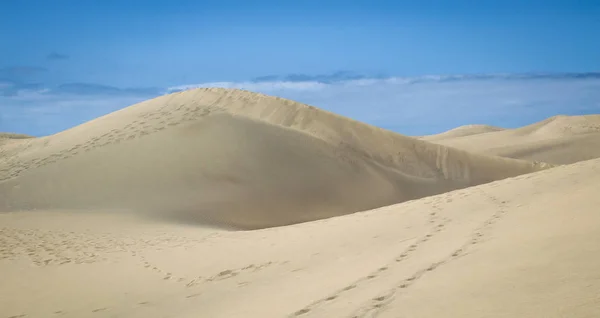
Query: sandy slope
x,y
558,140
234,158
9,138
526,246
520,247
462,131
14,136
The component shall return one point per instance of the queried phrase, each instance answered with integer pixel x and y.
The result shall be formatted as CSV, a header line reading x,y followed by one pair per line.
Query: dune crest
x,y
235,158
466,130
558,140
14,136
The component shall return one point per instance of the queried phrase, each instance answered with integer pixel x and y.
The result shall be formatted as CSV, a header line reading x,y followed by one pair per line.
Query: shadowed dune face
x,y
234,159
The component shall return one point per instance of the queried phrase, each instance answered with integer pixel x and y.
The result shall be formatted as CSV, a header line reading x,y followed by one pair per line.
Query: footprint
x,y
225,272
301,312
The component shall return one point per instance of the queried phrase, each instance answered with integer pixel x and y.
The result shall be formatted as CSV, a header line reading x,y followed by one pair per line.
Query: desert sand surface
x,y
521,247
234,158
226,203
462,131
557,140
14,136
6,138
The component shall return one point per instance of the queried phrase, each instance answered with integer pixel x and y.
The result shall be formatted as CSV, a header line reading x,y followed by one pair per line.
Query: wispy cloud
x,y
408,105
101,90
40,114
10,88
20,72
57,56
16,79
432,104
321,78
311,82
255,86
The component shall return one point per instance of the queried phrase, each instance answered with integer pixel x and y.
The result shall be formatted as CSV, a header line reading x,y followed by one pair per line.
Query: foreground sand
x,y
521,247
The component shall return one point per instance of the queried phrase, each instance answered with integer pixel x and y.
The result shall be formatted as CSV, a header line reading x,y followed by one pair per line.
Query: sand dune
x,y
234,158
462,131
558,140
14,136
8,138
521,247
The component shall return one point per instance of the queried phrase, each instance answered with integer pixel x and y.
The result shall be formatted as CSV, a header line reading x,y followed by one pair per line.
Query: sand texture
x,y
463,131
234,158
557,140
175,208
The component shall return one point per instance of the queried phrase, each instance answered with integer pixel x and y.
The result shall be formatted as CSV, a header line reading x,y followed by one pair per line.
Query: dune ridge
x,y
235,158
466,130
14,136
8,138
559,140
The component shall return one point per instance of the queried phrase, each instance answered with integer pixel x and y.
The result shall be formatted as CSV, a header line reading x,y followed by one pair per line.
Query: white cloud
x,y
254,86
413,106
41,114
431,104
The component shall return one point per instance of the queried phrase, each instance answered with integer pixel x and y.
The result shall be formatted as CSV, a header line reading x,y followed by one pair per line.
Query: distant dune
x,y
14,136
462,131
234,158
558,140
9,138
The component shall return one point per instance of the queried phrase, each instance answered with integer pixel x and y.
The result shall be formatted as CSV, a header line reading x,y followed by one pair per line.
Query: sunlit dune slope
x,y
234,158
462,131
558,140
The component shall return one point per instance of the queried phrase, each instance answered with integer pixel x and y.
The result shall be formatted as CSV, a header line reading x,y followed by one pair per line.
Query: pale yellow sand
x,y
524,246
14,136
558,140
521,247
9,138
463,131
234,158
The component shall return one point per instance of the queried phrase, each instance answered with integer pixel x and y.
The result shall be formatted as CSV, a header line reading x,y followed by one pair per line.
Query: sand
x,y
557,140
14,136
237,159
137,214
463,131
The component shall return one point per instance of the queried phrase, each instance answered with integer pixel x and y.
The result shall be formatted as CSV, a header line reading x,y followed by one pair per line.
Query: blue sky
x,y
65,62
